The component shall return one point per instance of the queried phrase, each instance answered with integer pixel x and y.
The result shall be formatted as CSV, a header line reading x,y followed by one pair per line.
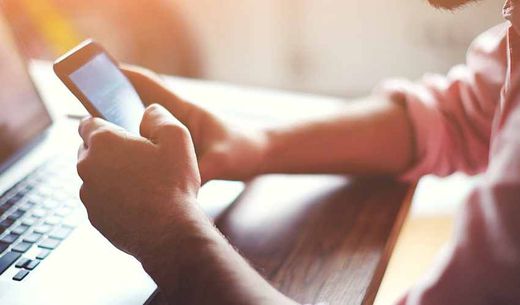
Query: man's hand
x,y
223,152
137,190
140,193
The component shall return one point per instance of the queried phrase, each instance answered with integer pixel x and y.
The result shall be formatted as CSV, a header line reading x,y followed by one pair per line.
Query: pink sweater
x,y
469,121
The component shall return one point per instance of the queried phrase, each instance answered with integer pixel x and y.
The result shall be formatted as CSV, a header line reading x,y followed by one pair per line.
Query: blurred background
x,y
335,47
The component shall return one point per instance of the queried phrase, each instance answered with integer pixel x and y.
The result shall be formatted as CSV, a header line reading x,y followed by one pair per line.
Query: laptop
x,y
49,252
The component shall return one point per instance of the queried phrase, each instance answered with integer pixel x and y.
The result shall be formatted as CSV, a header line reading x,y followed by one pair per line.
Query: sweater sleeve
x,y
452,115
482,264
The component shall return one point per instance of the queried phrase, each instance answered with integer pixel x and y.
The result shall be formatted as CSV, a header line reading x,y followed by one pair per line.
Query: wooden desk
x,y
316,238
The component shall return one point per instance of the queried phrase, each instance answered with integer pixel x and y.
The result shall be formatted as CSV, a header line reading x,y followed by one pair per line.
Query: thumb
x,y
208,170
159,125
152,89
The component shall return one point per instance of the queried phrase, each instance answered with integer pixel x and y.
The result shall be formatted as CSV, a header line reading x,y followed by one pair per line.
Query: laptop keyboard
x,y
37,214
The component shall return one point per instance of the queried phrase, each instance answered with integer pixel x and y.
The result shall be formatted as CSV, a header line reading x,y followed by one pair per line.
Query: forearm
x,y
200,267
372,136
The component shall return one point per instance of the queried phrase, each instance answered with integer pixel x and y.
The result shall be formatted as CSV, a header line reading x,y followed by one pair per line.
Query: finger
x,y
207,171
148,84
89,125
82,151
152,89
159,125
83,194
82,122
86,198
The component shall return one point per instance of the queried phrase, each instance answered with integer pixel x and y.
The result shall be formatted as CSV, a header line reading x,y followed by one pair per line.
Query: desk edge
x,y
379,273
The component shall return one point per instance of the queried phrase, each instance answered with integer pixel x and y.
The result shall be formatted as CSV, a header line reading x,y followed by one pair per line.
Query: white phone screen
x,y
110,92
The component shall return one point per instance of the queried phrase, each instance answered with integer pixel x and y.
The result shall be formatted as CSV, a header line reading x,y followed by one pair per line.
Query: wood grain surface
x,y
318,238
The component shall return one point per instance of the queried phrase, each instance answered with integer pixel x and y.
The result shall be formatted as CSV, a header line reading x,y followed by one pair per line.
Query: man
x,y
145,203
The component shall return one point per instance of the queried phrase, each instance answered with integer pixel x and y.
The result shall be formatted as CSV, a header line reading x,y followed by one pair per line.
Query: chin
x,y
449,4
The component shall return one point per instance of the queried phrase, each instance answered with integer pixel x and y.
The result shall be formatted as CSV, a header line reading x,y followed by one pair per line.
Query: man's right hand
x,y
223,152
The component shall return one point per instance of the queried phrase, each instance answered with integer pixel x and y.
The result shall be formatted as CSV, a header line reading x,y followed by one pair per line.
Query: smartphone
x,y
95,78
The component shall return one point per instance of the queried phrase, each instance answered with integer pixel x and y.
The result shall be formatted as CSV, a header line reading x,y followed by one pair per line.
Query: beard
x,y
449,4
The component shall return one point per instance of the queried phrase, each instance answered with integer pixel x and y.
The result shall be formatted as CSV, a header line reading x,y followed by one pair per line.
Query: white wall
x,y
339,47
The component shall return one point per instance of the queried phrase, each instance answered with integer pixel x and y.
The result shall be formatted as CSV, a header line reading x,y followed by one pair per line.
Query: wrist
x,y
186,232
263,151
199,259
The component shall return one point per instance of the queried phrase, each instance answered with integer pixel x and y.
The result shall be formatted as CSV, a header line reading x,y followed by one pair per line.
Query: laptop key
x,y
33,237
63,211
53,220
7,205
44,228
6,223
51,204
39,213
20,229
7,260
16,214
61,232
29,221
49,243
43,254
26,206
9,238
20,275
28,188
3,247
22,247
32,264
25,189
22,262
13,200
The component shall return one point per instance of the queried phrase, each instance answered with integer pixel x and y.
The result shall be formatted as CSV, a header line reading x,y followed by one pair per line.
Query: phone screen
x,y
110,92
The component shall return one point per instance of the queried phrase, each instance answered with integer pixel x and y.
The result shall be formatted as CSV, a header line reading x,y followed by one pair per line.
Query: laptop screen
x,y
22,114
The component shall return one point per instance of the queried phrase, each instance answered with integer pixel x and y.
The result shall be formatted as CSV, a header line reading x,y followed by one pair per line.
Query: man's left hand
x,y
137,190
